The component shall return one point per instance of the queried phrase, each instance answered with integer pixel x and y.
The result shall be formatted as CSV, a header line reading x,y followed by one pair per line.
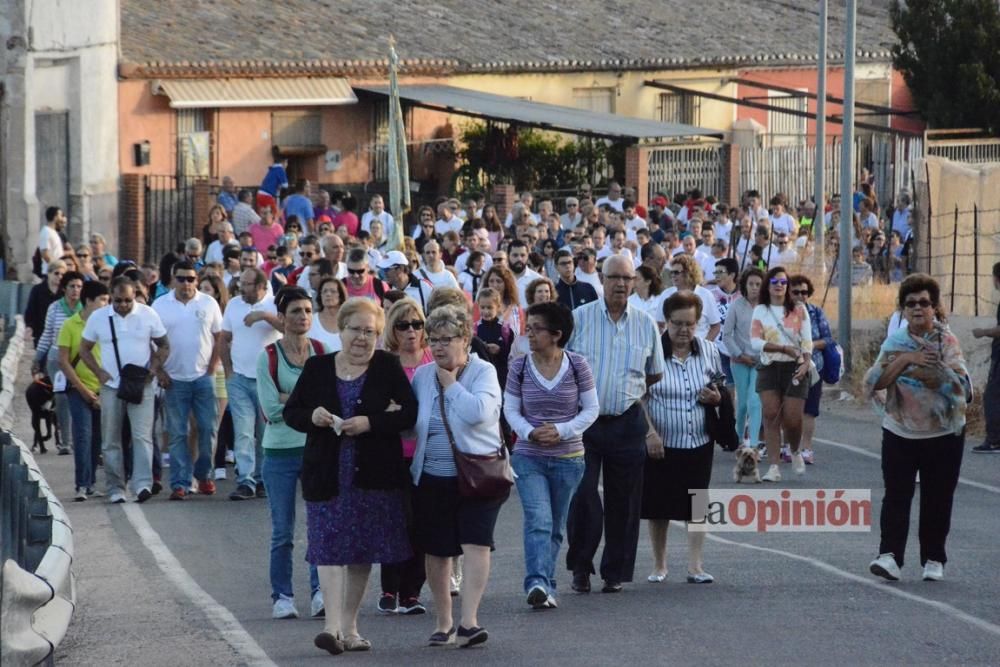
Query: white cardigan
x,y
473,409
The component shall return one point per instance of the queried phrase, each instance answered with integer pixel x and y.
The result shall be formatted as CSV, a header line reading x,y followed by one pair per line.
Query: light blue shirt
x,y
620,353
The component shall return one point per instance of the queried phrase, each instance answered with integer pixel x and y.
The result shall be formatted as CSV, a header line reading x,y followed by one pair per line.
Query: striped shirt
x,y
439,459
556,401
621,354
673,401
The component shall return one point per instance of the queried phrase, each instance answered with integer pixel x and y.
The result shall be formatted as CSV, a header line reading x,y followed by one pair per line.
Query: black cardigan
x,y
379,452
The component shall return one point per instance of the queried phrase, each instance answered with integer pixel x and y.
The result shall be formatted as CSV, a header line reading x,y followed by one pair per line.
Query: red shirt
x,y
348,220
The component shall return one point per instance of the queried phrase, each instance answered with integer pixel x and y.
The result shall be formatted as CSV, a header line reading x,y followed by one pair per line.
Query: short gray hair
x,y
193,245
450,319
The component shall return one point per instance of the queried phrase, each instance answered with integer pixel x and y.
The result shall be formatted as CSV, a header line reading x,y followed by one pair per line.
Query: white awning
x,y
265,92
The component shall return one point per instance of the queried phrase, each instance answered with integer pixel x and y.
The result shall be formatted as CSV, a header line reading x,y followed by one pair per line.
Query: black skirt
x,y
666,482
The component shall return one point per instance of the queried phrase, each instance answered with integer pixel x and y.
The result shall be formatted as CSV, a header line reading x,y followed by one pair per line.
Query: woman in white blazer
x,y
447,524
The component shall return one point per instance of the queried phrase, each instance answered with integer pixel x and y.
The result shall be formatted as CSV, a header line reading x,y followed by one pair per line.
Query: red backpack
x,y
272,359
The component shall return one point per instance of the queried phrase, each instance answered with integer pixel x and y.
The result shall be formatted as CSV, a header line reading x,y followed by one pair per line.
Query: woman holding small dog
x,y
921,386
678,445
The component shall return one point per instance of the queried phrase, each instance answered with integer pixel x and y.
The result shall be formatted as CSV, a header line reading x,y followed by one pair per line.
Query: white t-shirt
x,y
870,222
330,339
248,341
724,231
522,285
215,251
653,306
709,309
463,262
787,258
135,333
442,227
783,223
613,203
48,239
592,279
191,329
442,278
388,224
707,263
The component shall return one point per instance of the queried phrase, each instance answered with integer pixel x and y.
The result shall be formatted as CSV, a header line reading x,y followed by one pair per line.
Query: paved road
x,y
778,598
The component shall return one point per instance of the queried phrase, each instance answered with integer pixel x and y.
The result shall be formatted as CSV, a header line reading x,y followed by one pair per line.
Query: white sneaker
x,y
773,474
165,460
798,464
284,607
80,496
317,609
116,497
220,473
230,456
933,571
885,566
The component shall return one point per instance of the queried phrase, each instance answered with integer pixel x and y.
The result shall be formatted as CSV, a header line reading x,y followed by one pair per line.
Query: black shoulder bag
x,y
131,378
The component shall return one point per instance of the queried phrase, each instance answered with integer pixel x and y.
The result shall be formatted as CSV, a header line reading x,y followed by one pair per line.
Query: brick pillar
x,y
503,197
132,219
203,201
637,172
731,175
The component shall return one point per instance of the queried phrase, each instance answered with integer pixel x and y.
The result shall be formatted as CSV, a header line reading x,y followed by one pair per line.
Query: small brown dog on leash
x,y
747,459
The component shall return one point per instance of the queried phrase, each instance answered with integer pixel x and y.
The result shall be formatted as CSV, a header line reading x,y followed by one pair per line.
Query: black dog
x,y
40,397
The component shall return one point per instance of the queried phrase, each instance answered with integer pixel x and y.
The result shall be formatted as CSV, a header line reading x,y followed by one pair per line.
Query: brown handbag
x,y
482,476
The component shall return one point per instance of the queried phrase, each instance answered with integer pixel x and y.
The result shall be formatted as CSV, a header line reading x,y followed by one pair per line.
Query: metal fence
x,y
674,169
169,213
975,151
962,248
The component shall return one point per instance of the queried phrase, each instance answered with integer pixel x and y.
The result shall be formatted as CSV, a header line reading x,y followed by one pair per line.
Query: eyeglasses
x,y
675,272
362,333
800,292
307,255
534,330
624,279
403,325
564,262
921,303
779,281
357,272
185,279
683,325
442,341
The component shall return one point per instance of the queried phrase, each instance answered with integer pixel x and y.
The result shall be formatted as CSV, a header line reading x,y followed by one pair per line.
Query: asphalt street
x,y
164,582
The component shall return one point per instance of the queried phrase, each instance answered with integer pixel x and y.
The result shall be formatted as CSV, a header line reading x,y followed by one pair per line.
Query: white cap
x,y
393,258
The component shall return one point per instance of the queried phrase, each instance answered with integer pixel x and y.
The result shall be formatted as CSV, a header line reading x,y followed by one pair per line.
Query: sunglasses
x,y
800,292
922,303
357,272
185,279
403,325
779,281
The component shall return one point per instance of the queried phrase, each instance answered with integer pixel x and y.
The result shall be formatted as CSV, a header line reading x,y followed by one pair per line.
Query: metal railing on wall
x,y
37,587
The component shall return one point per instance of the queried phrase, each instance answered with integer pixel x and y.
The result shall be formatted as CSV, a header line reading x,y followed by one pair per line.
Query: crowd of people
x,y
374,364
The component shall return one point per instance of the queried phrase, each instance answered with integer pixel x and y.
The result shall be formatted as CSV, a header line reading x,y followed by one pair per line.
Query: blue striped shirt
x,y
439,459
621,354
673,404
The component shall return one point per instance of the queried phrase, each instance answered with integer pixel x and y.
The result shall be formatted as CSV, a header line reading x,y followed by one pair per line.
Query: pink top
x,y
410,444
348,220
265,236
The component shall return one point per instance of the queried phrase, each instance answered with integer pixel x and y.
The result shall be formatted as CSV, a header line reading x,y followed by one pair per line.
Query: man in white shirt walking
x,y
517,259
50,245
126,332
613,198
248,326
194,323
433,270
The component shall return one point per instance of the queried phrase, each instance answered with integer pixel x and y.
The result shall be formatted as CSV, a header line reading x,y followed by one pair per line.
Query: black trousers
x,y
405,579
614,453
939,462
991,399
225,439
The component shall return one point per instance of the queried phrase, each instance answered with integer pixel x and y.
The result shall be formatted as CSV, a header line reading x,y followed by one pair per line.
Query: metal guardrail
x,y
37,586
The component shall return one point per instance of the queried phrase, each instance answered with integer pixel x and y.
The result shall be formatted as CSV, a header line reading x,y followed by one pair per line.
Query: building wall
x,y
61,58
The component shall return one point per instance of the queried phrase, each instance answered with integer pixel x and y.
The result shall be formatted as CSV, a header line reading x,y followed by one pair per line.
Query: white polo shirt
x,y
248,341
522,285
135,333
191,329
48,239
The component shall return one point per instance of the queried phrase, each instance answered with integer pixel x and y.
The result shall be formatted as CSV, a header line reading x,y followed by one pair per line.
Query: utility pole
x,y
819,231
847,188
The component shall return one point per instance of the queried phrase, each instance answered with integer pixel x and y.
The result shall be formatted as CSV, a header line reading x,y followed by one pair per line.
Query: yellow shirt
x,y
69,337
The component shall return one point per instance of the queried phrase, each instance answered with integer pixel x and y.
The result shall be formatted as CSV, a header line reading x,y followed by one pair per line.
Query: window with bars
x,y
297,128
680,108
193,143
601,100
786,129
380,146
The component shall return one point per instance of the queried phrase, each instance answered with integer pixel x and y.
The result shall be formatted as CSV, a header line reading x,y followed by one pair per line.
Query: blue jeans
x,y
86,439
248,427
747,401
281,478
140,417
546,485
182,399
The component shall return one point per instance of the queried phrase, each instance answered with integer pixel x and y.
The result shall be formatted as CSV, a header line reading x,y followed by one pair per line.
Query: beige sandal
x,y
356,643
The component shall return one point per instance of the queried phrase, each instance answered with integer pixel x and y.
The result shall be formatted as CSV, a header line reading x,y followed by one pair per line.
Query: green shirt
x,y
279,438
69,337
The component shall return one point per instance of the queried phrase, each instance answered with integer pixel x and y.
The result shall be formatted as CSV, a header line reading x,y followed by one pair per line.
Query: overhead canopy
x,y
265,92
537,114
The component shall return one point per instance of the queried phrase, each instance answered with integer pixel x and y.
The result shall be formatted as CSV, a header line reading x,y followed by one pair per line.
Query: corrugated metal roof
x,y
266,92
537,114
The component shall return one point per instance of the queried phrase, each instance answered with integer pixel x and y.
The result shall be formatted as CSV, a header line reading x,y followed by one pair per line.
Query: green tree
x,y
949,55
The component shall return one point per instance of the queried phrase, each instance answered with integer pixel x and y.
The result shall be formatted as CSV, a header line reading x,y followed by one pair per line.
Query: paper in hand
x,y
338,425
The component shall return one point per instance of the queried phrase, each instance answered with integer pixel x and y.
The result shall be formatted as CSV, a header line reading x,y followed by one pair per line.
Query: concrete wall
x,y
64,59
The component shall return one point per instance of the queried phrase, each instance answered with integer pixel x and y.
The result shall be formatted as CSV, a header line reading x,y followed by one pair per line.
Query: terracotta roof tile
x,y
439,36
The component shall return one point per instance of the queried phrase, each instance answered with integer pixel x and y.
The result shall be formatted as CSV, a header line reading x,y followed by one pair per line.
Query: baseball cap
x,y
659,201
393,258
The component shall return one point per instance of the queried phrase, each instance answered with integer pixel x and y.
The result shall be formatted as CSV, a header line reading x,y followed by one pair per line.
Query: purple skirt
x,y
357,526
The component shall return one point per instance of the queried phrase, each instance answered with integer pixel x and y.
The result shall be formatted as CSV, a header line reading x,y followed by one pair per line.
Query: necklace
x,y
345,372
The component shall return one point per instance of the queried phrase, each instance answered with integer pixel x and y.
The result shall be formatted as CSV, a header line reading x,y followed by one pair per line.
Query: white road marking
x,y
874,455
232,632
878,584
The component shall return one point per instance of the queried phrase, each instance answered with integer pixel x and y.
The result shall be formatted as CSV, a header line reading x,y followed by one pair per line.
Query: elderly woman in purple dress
x,y
352,406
